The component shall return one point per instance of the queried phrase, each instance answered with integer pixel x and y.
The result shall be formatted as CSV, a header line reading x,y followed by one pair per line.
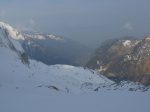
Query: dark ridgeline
x,y
56,50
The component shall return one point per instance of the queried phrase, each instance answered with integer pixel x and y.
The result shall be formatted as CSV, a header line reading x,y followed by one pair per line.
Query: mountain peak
x,y
54,37
130,62
147,37
9,37
42,36
11,31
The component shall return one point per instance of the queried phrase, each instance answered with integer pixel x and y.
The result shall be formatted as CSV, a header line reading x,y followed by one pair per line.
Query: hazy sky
x,y
88,21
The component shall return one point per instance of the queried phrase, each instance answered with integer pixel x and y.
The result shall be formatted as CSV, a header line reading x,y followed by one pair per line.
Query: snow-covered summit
x,y
11,31
37,75
41,36
126,43
9,37
15,34
147,37
54,37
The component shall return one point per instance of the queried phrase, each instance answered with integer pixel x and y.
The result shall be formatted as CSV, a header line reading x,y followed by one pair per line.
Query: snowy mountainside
x,y
10,38
47,48
42,36
12,32
65,78
17,74
8,35
17,71
36,87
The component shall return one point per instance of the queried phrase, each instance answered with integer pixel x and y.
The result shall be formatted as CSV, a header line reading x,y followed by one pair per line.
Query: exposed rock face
x,y
127,59
9,38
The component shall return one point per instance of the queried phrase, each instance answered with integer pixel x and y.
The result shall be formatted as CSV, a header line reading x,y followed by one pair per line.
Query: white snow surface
x,y
8,37
40,88
54,37
12,31
17,101
65,78
41,36
30,89
126,43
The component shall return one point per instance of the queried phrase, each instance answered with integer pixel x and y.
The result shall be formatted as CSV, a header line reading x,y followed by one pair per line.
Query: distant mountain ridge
x,y
51,49
20,72
8,37
25,74
124,59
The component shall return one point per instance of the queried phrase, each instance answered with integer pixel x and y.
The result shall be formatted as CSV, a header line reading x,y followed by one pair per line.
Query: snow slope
x,y
65,78
16,101
15,74
40,88
31,89
12,32
8,37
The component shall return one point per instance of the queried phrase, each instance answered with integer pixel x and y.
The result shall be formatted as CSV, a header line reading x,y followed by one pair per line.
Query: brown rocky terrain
x,y
124,59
